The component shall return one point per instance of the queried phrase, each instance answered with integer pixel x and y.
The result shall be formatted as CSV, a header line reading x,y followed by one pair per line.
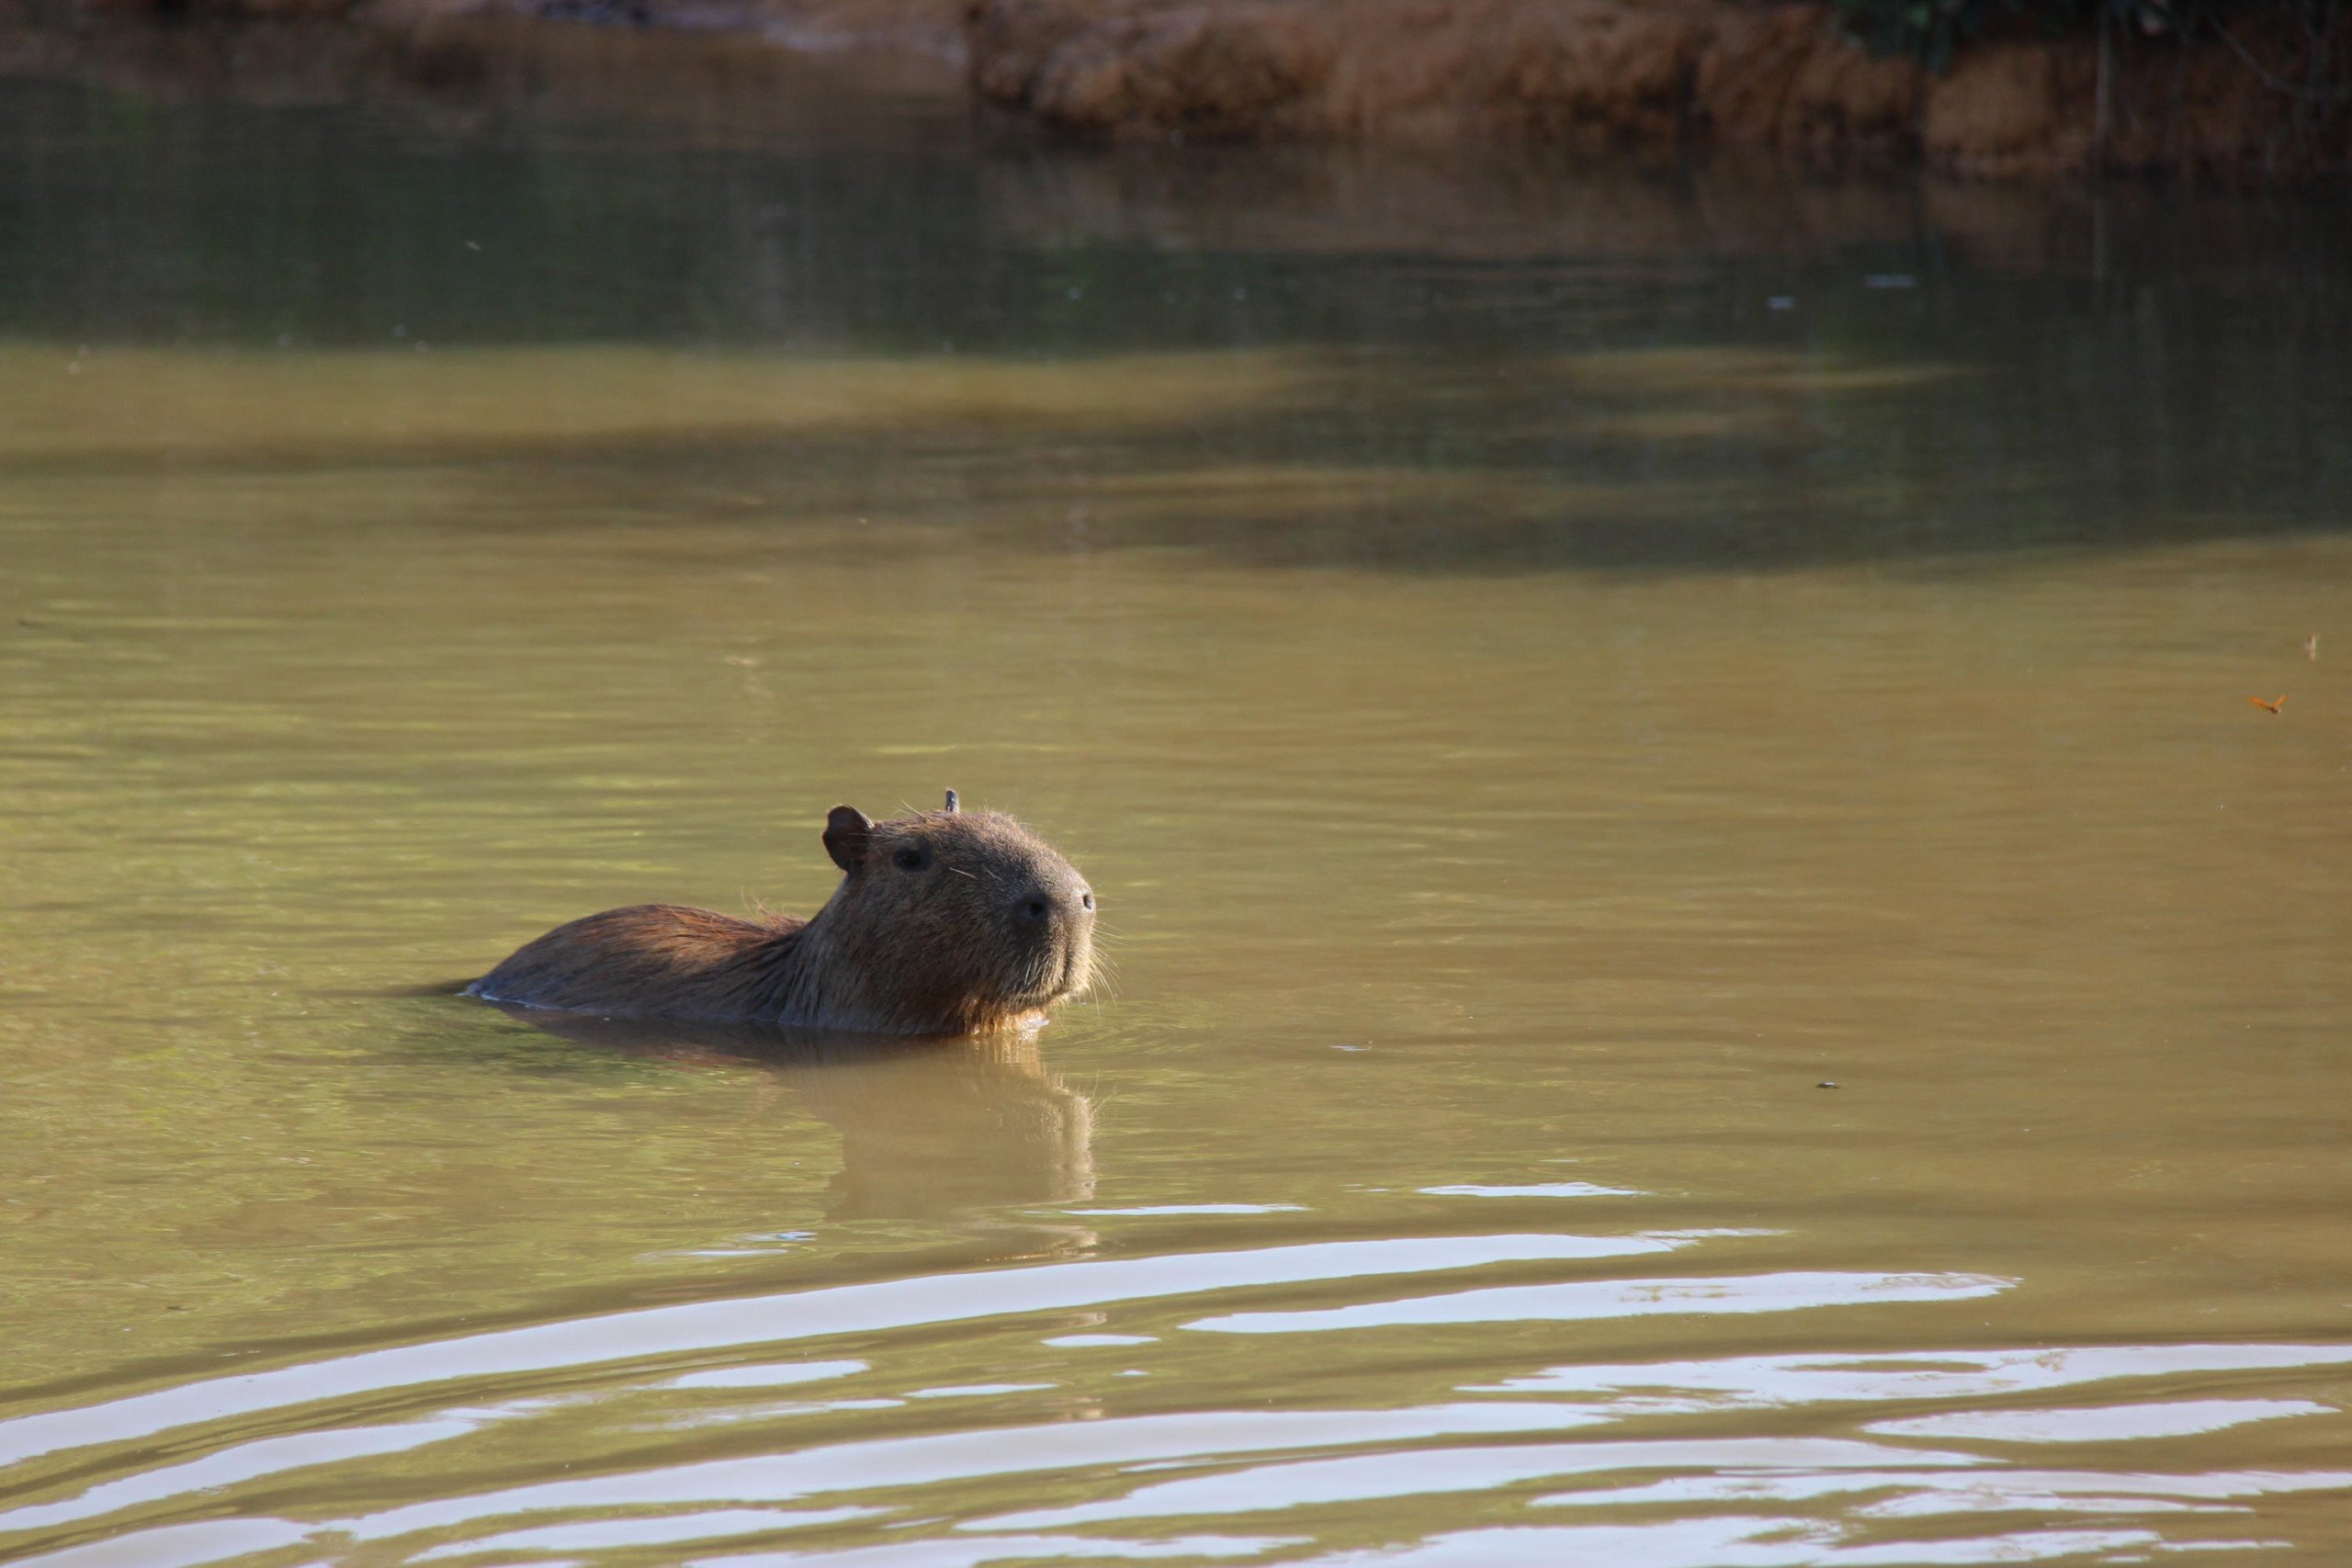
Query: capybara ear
x,y
952,804
847,832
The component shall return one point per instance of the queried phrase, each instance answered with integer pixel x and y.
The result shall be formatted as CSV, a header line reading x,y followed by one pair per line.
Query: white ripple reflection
x,y
269,1458
665,1529
2101,1424
1024,1549
707,1327
1098,1341
1358,1478
1988,1490
963,1456
1589,1298
176,1546
1748,1381
1731,1542
1634,1459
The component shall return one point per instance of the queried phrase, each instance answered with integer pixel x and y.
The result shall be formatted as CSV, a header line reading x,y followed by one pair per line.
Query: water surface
x,y
1712,966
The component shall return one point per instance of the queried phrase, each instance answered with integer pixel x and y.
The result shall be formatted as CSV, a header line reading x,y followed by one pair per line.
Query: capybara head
x,y
967,920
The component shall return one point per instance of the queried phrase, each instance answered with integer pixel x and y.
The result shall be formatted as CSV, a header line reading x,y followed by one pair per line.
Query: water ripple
x,y
939,1454
1621,1298
758,1320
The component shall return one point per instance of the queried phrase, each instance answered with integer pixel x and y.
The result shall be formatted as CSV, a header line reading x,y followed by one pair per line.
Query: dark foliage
x,y
1931,30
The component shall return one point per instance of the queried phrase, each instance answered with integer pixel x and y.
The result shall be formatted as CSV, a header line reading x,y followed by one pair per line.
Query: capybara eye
x,y
908,858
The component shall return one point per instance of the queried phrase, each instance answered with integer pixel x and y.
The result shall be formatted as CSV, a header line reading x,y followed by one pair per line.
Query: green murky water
x,y
1548,670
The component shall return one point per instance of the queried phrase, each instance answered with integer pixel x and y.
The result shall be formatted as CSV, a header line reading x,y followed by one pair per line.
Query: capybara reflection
x,y
929,1129
945,923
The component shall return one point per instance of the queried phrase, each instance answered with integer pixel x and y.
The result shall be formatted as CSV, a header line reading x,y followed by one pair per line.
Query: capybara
x,y
945,923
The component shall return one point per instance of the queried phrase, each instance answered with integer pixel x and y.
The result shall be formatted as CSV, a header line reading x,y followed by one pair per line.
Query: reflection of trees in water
x,y
929,1128
1460,341
561,191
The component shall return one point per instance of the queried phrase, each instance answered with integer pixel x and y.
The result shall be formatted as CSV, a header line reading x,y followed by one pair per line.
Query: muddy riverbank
x,y
1646,72
1583,74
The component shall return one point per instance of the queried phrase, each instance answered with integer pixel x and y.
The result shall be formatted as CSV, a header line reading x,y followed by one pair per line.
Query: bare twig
x,y
2276,83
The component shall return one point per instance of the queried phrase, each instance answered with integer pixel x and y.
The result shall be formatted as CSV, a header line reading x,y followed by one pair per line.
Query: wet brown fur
x,y
989,931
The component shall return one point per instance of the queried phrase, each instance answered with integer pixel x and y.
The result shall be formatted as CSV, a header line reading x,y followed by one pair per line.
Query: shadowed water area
x,y
1713,968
